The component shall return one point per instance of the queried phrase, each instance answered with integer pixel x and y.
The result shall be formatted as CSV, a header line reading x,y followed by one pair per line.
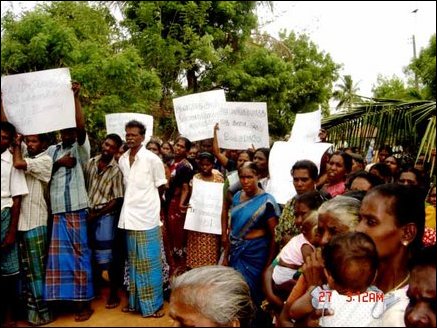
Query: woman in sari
x,y
254,216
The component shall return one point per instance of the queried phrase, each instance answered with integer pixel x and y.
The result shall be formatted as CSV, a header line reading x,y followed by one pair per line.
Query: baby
x,y
292,256
351,261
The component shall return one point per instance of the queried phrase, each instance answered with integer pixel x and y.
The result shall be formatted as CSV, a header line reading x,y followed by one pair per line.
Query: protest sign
x,y
197,114
115,123
39,102
204,213
306,127
283,156
243,125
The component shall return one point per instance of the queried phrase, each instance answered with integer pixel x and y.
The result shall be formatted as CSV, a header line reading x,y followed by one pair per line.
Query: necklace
x,y
401,283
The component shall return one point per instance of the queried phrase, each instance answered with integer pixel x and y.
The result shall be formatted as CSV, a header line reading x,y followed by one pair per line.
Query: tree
x,y
424,67
346,93
85,39
290,74
394,88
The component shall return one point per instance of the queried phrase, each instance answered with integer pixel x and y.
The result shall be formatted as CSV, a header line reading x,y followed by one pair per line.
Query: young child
x,y
292,256
351,261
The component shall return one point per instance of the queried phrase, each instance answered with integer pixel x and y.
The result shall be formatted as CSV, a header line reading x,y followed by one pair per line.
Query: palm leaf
x,y
396,123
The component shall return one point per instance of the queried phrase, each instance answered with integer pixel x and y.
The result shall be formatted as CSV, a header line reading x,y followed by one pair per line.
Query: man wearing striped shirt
x,y
32,224
104,182
68,274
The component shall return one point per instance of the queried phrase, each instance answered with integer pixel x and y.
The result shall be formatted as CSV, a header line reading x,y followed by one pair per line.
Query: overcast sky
x,y
367,37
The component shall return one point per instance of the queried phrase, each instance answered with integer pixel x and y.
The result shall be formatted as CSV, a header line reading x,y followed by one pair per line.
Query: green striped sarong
x,y
9,263
33,249
145,271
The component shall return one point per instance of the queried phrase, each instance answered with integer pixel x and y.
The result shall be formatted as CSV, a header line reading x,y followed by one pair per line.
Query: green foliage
x,y
346,93
424,67
394,88
172,48
290,75
83,38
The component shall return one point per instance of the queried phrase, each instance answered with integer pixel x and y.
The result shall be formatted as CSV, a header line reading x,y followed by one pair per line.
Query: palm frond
x,y
385,121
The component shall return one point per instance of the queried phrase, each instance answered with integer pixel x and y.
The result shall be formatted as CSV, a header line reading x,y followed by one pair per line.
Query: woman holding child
x,y
393,216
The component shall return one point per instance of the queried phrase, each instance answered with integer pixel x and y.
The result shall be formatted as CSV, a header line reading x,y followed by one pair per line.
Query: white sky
x,y
367,37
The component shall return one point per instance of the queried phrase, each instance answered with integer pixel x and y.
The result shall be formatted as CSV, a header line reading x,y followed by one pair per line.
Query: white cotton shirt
x,y
363,311
34,211
142,205
397,302
13,182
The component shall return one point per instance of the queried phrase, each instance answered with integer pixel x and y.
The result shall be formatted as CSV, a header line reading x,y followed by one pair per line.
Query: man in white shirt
x,y
144,179
13,187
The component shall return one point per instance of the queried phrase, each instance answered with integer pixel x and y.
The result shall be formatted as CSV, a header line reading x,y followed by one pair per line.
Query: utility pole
x,y
416,81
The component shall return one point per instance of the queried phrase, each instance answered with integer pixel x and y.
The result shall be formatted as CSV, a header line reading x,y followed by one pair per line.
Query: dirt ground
x,y
103,317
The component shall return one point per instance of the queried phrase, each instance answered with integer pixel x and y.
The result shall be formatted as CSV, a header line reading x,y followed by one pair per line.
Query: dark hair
x,y
42,137
347,160
116,138
265,151
426,257
169,144
8,128
206,155
153,142
186,141
407,206
250,154
249,165
371,178
312,199
346,248
306,165
357,194
383,170
136,124
387,148
416,172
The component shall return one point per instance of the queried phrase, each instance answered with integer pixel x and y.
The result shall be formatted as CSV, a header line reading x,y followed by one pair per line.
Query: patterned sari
x,y
249,256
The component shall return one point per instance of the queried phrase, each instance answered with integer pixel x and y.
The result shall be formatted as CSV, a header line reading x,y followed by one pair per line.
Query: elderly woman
x,y
393,216
336,216
254,216
211,296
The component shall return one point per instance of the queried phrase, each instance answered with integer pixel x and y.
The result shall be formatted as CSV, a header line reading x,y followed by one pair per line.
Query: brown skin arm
x,y
112,206
185,197
67,160
268,288
3,115
271,224
80,119
313,269
225,223
306,250
302,306
15,214
216,149
17,156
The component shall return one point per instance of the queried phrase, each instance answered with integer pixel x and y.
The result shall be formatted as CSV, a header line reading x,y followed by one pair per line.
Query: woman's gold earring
x,y
405,243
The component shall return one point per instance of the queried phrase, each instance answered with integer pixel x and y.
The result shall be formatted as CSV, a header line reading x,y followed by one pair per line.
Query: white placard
x,y
39,102
306,127
115,123
197,114
283,156
204,213
242,125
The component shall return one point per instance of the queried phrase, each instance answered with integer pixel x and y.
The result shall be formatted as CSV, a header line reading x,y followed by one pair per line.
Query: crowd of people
x,y
354,247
